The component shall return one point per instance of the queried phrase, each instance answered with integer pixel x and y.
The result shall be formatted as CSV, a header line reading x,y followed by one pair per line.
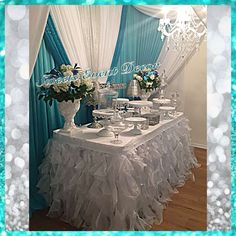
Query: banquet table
x,y
96,185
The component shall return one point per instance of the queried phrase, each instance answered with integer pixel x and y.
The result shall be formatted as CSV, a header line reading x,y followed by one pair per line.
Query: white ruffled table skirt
x,y
120,191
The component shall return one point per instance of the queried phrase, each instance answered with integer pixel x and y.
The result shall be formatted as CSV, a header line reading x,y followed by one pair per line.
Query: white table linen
x,y
92,183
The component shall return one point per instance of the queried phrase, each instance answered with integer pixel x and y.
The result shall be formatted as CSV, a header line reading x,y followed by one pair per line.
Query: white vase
x,y
68,111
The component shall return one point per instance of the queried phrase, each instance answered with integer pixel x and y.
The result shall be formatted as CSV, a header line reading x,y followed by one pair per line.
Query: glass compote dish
x,y
136,121
166,111
104,114
120,103
120,106
107,95
95,124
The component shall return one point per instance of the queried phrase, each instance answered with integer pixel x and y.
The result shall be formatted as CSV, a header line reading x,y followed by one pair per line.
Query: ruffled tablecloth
x,y
122,190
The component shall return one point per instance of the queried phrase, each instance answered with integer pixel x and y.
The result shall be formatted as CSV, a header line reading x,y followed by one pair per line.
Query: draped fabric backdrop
x,y
139,42
77,26
43,118
38,18
89,34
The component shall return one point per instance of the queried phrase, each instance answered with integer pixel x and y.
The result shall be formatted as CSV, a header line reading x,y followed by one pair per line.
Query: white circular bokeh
x,y
16,13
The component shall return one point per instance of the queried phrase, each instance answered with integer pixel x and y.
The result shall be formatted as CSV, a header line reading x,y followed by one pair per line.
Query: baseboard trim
x,y
197,145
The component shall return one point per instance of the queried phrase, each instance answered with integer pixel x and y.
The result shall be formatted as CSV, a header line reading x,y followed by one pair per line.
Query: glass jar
x,y
106,96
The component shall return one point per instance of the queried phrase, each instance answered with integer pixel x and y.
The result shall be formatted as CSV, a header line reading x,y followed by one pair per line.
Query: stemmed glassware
x,y
95,124
116,130
175,101
117,121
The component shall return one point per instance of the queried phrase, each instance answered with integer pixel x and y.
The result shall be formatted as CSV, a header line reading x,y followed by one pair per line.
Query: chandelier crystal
x,y
184,31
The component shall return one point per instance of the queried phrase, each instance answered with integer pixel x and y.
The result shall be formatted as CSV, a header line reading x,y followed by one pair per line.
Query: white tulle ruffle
x,y
125,191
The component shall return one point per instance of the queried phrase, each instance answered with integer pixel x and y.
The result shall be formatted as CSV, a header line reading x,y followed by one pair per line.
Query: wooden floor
x,y
188,208
186,211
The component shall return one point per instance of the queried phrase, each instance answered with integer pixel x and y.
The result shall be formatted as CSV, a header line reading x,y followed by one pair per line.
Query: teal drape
x,y
43,118
139,41
120,38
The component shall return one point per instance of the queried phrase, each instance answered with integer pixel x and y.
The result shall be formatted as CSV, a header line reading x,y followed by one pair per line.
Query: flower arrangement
x,y
148,79
69,85
63,71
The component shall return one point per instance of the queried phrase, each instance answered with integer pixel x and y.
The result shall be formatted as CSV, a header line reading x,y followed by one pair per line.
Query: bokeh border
x,y
86,2
2,116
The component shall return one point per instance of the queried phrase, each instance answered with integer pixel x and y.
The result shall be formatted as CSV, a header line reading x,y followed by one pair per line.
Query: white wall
x,y
191,83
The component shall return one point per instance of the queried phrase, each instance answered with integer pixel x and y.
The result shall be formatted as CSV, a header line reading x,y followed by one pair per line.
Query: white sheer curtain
x,y
88,33
38,16
151,10
172,61
158,11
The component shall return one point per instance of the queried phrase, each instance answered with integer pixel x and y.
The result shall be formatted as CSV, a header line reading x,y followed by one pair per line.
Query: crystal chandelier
x,y
184,31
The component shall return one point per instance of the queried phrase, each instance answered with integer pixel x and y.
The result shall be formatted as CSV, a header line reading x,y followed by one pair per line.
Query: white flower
x,y
61,87
56,89
64,87
135,75
149,84
66,69
88,82
146,69
77,82
68,73
139,78
152,77
69,67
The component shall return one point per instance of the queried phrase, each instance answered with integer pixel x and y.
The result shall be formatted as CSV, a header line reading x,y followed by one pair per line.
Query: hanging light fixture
x,y
182,26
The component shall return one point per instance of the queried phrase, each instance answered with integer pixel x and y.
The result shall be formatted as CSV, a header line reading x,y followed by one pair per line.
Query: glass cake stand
x,y
105,114
142,106
135,121
166,110
158,102
120,102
